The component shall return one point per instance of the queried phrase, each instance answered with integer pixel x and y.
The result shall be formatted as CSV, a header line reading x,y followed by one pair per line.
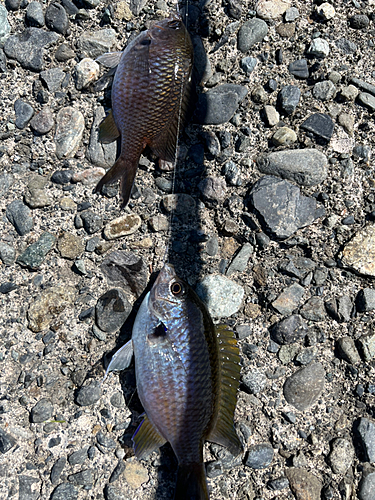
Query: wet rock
x,y
288,98
70,125
101,155
218,105
305,485
6,441
250,33
281,206
303,388
222,296
48,306
65,491
42,122
56,18
320,124
213,188
341,456
85,73
96,43
259,456
359,253
89,394
24,113
70,246
289,330
122,226
299,69
125,270
42,411
112,310
135,474
28,47
19,215
34,15
35,253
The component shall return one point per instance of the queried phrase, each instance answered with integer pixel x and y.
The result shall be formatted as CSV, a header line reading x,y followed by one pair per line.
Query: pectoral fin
x,y
109,59
121,359
108,131
146,439
223,431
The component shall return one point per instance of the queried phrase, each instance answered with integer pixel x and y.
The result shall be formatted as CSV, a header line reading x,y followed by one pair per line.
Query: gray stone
x,y
42,411
259,456
57,469
222,296
291,14
319,124
325,91
359,21
65,491
306,356
112,310
112,492
240,261
366,432
82,478
57,18
213,189
24,113
6,181
96,43
288,98
43,122
250,33
367,346
303,388
289,330
202,64
117,400
366,490
284,136
346,46
62,177
53,78
248,64
35,253
305,485
105,440
348,350
254,381
271,115
28,47
99,154
70,125
367,87
319,48
367,100
218,105
365,299
6,441
19,215
289,299
89,394
341,456
34,15
281,206
7,254
299,69
91,222
314,309
27,490
306,167
4,24
126,270
64,53
118,470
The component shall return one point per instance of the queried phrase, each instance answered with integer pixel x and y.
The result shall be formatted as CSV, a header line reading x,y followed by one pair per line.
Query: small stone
x,y
326,11
286,30
250,33
325,91
272,9
64,53
99,154
218,105
24,113
48,306
4,24
35,253
6,181
56,18
6,441
112,492
319,124
289,330
85,73
70,246
284,136
248,64
299,69
88,176
222,296
259,456
346,46
135,474
313,309
126,270
281,483
367,346
291,14
70,125
319,48
348,350
122,226
288,98
367,87
42,122
159,223
341,456
367,100
117,400
349,93
112,309
366,432
254,381
304,485
122,11
96,43
7,254
34,15
118,470
365,299
347,122
62,176
65,491
91,222
89,394
240,261
213,189
42,411
27,489
367,487
359,21
289,299
303,388
19,215
82,478
53,78
57,469
272,116
359,253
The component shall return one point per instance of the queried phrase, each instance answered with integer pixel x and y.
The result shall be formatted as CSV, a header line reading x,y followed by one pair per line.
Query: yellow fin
x,y
229,358
146,439
108,131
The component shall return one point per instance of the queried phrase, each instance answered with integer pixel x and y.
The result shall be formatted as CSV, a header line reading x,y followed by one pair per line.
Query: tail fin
x,y
123,170
191,483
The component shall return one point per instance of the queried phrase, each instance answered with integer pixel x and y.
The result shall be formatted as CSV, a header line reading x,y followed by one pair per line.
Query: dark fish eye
x,y
177,288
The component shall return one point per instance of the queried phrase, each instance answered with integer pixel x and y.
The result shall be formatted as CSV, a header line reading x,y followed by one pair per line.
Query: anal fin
x,y
108,131
146,439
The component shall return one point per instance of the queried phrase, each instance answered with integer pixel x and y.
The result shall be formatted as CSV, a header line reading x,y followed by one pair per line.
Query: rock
x,y
101,155
42,122
85,73
114,493
367,346
42,411
284,136
281,207
125,270
259,456
35,196
367,100
289,330
27,489
35,253
64,53
366,432
346,46
159,223
359,253
313,309
213,189
359,21
122,226
96,43
272,116
12,4
326,11
56,18
366,490
135,474
366,300
319,48
82,478
289,299
272,9
34,15
88,176
367,87
306,167
4,24
19,215
53,78
89,394
341,456
303,388
254,381
218,105
70,246
24,113
6,441
117,400
319,124
6,181
49,305
183,206
57,469
288,98
304,485
291,14
325,91
222,296
62,177
70,125
348,350
240,261
91,222
105,440
112,310
7,254
65,491
299,69
248,64
250,33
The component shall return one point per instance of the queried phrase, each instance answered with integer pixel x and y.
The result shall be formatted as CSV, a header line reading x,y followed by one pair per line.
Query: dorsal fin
x,y
108,131
229,358
146,439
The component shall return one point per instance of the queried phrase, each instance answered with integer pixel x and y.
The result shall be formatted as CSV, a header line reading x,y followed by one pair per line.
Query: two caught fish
x,y
187,373
150,95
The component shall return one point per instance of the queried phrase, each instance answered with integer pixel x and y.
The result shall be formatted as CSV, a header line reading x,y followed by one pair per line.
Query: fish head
x,y
168,292
168,28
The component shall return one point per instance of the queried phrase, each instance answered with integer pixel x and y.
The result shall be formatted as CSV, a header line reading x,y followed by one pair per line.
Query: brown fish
x,y
150,93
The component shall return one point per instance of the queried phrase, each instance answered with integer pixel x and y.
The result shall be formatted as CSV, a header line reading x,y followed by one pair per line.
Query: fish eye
x,y
177,289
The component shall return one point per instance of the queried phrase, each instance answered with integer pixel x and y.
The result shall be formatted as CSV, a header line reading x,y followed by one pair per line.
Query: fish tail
x,y
125,170
191,482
